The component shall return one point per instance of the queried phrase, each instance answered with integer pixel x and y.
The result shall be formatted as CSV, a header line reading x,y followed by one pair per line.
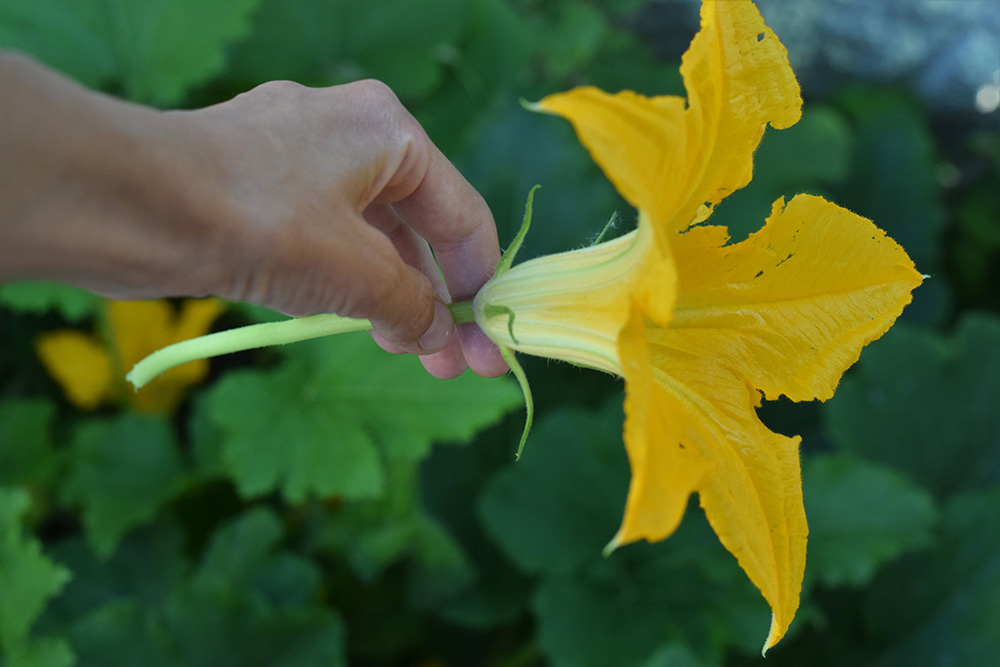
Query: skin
x,y
304,200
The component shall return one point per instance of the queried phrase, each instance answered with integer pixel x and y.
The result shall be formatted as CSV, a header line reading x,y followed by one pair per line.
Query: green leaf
x,y
214,624
893,177
124,469
375,534
26,456
926,405
571,39
811,156
242,553
121,634
514,150
495,592
621,612
320,42
556,509
943,607
894,182
322,422
247,603
153,50
73,303
27,581
47,652
148,564
861,515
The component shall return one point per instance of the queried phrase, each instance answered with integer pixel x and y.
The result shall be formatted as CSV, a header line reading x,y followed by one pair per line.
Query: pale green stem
x,y
258,335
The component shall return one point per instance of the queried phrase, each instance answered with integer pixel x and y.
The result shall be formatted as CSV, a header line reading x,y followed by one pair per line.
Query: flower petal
x,y
665,469
139,328
669,160
790,308
638,141
701,416
79,363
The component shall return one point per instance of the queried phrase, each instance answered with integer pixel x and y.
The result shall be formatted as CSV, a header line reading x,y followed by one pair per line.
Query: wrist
x,y
99,193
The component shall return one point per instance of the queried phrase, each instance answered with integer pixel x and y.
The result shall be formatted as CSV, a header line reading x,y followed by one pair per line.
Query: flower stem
x,y
259,335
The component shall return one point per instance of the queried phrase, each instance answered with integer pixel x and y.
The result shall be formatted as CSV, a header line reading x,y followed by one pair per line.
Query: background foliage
x,y
308,506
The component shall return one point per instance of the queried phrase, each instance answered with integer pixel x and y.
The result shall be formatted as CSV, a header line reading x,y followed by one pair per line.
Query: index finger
x,y
453,217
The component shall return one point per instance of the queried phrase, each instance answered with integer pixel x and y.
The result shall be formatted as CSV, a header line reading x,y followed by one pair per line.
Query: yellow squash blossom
x,y
700,329
88,367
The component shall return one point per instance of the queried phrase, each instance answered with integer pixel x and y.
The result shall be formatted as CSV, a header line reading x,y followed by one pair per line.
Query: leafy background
x,y
326,504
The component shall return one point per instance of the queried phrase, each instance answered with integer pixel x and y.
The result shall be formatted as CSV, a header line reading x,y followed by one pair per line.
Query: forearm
x,y
94,191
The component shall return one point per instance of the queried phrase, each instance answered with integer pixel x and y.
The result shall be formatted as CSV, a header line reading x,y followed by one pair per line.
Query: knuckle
x,y
276,89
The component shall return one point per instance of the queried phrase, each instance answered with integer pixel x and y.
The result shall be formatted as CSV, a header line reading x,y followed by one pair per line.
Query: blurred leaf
x,y
477,79
495,592
810,156
247,604
243,553
556,509
926,405
621,611
676,655
893,181
72,303
27,581
26,456
570,39
943,607
121,634
123,470
625,62
861,515
214,625
512,151
893,174
375,534
45,652
154,50
148,564
322,42
321,423
976,250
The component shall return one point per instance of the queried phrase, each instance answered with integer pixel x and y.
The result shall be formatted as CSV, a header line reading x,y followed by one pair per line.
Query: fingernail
x,y
440,331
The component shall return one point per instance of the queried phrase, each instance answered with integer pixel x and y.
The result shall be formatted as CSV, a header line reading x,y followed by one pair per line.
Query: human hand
x,y
339,197
302,200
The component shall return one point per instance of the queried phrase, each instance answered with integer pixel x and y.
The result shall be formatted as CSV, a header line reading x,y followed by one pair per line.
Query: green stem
x,y
462,312
259,335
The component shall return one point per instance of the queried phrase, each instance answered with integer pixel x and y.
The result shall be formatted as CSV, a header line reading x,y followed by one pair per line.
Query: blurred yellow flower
x,y
88,366
700,329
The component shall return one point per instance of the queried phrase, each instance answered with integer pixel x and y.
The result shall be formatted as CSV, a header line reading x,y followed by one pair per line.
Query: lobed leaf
x,y
927,405
28,579
321,423
123,470
154,51
861,516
